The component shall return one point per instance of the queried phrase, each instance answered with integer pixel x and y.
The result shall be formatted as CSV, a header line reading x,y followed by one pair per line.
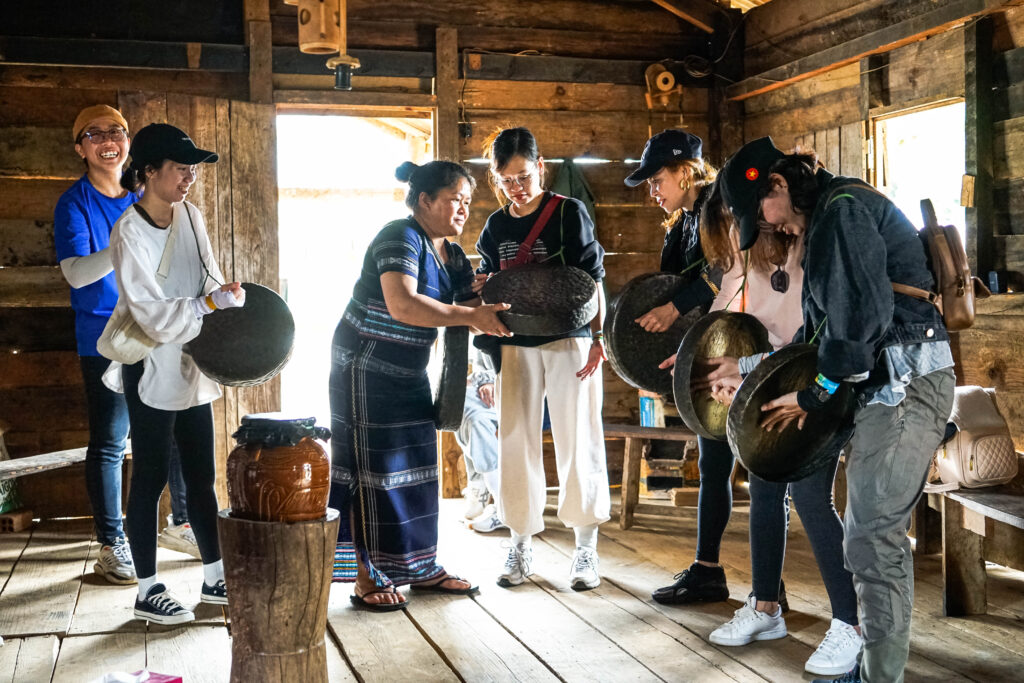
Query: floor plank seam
x,y
519,640
686,647
437,648
595,627
336,639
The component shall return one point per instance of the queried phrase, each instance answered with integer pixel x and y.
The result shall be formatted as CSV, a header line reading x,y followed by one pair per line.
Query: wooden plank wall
x,y
41,393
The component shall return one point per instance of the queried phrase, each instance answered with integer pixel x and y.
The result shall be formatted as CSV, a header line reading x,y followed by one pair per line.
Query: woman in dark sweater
x,y
565,368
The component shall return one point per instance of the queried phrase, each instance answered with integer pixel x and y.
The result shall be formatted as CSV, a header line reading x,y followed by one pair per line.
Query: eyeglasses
x,y
98,137
521,180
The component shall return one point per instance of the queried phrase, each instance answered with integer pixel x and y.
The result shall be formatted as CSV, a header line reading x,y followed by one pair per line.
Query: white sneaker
x,y
748,625
517,566
488,521
838,651
115,563
181,538
583,573
476,501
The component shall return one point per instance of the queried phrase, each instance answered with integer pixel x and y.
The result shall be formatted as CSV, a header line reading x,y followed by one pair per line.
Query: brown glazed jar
x,y
278,472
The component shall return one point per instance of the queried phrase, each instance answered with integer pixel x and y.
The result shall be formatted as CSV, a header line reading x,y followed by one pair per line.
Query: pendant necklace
x,y
780,280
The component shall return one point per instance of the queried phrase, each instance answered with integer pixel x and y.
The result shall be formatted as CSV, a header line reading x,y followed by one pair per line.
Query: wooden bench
x,y
636,438
19,467
970,527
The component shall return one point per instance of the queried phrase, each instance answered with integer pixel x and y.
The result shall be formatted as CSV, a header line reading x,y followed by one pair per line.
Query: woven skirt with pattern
x,y
384,478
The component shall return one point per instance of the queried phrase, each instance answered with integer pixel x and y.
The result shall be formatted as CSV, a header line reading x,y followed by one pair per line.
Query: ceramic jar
x,y
278,472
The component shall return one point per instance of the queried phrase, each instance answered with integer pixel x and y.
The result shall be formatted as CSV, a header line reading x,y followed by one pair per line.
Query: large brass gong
x,y
721,333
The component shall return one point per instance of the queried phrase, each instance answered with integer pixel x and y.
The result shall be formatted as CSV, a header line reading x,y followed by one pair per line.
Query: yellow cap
x,y
97,111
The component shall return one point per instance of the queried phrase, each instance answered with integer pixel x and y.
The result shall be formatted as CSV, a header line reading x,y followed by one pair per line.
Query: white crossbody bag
x,y
123,339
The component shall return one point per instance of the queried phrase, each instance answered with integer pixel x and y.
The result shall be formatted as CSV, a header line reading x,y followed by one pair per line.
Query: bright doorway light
x,y
337,189
920,155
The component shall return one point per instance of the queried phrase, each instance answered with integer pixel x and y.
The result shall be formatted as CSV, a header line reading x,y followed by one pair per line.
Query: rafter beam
x,y
700,13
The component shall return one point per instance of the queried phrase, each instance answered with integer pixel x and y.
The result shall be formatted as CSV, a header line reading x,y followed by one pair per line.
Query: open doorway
x,y
337,189
920,155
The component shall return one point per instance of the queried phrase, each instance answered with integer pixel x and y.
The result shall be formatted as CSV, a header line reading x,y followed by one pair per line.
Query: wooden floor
x,y
62,623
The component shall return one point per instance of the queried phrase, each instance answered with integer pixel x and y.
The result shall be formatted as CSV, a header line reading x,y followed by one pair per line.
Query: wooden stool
x,y
278,577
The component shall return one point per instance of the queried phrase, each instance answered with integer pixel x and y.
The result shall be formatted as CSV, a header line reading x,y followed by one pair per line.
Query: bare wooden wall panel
x,y
70,78
22,106
929,69
30,199
585,97
39,151
26,242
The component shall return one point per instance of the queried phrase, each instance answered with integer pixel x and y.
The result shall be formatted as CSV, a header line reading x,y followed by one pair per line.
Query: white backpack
x,y
981,452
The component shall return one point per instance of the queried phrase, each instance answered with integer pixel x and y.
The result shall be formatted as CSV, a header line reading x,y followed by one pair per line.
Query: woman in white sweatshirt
x,y
169,281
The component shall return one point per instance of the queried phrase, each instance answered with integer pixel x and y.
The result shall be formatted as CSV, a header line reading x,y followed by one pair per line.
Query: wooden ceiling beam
x,y
924,25
700,13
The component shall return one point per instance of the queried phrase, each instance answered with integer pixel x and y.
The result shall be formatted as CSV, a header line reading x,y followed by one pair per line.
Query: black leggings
x,y
714,499
153,431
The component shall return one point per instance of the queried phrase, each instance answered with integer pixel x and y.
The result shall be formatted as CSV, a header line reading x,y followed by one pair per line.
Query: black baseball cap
x,y
666,146
159,141
743,178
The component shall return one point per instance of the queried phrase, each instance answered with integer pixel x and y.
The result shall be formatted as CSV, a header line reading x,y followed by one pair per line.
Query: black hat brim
x,y
195,156
642,173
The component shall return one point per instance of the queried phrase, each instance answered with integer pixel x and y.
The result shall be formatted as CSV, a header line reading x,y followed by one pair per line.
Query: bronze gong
x,y
243,347
450,395
721,333
546,300
634,353
791,454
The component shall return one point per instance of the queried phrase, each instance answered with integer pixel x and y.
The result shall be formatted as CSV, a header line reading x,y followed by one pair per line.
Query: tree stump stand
x,y
278,577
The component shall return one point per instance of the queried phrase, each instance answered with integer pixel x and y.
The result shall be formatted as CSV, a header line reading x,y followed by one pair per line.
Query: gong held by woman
x,y
384,479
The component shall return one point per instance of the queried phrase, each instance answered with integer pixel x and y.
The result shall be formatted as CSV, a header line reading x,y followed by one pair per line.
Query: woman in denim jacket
x,y
892,347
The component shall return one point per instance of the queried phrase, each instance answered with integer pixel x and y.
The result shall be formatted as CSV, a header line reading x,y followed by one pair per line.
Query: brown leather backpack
x,y
955,287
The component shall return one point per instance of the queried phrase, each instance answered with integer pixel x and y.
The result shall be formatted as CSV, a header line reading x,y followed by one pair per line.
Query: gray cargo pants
x,y
885,472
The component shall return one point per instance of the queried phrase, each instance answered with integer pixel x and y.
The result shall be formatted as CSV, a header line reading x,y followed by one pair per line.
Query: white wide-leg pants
x,y
527,375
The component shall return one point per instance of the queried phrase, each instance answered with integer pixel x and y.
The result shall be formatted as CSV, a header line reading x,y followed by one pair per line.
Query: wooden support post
x,y
979,150
258,39
630,493
279,578
927,528
446,88
963,569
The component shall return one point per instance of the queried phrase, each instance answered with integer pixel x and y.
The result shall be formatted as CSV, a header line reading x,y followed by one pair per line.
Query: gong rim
x,y
793,454
714,332
633,353
450,396
247,346
544,319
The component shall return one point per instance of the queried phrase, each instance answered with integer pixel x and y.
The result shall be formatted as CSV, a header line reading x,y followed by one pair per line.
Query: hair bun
x,y
405,171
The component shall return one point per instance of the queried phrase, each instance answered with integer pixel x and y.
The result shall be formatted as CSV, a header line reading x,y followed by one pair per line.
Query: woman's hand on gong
x,y
659,318
484,320
781,412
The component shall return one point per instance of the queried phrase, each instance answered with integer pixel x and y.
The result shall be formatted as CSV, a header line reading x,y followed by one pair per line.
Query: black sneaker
x,y
698,583
783,602
161,608
217,594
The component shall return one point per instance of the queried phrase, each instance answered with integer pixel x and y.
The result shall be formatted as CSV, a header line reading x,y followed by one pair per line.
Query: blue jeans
x,y
477,436
108,430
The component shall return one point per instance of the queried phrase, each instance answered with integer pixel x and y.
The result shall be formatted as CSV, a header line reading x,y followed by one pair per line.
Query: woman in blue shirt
x,y
384,443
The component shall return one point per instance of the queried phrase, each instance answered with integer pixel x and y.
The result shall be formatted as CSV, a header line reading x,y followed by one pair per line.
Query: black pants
x,y
153,432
